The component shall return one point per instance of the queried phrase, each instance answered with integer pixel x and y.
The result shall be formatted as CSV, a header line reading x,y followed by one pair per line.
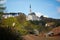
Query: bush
x,y
8,34
8,23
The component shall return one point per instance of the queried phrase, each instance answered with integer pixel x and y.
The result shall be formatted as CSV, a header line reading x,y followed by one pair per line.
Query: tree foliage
x,y
8,34
9,22
21,18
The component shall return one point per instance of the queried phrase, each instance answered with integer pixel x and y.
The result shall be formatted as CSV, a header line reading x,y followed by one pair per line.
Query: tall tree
x,y
21,18
2,8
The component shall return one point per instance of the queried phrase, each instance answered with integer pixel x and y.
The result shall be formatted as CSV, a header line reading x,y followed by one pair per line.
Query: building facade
x,y
7,15
32,16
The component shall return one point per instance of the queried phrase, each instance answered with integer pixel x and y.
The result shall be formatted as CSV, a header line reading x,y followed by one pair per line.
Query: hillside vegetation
x,y
20,26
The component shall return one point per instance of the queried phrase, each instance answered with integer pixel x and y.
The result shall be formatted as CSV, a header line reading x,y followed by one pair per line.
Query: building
x,y
7,15
50,24
32,16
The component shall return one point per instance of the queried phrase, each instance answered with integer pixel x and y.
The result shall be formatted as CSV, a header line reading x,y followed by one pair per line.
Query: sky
x,y
48,8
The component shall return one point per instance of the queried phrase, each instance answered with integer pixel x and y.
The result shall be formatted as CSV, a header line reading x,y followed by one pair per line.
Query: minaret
x,y
30,8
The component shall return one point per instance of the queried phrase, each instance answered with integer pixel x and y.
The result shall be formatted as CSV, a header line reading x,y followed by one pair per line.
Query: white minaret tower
x,y
30,8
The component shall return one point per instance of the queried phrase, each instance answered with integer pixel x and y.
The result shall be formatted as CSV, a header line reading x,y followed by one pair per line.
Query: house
x,y
7,15
50,24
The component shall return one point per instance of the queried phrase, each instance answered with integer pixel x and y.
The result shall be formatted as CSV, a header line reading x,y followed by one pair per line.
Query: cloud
x,y
58,0
58,9
39,14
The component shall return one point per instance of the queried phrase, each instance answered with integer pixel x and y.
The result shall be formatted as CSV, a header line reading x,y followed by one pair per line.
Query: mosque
x,y
32,16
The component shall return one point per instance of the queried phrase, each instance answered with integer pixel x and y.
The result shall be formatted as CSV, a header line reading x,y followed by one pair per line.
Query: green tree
x,y
21,18
9,23
8,34
1,13
2,7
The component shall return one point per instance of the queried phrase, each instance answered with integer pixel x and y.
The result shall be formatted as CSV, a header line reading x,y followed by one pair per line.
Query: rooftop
x,y
32,13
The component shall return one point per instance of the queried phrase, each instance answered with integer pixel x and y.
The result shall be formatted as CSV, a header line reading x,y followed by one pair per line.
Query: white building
x,y
32,16
7,15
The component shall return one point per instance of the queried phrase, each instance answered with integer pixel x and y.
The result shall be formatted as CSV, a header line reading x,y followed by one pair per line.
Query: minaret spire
x,y
30,8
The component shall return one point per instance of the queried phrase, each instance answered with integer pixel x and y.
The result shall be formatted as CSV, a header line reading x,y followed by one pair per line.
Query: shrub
x,y
8,34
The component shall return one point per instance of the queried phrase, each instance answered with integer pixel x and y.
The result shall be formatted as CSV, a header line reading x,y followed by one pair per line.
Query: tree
x,y
2,7
21,18
8,34
1,13
17,26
